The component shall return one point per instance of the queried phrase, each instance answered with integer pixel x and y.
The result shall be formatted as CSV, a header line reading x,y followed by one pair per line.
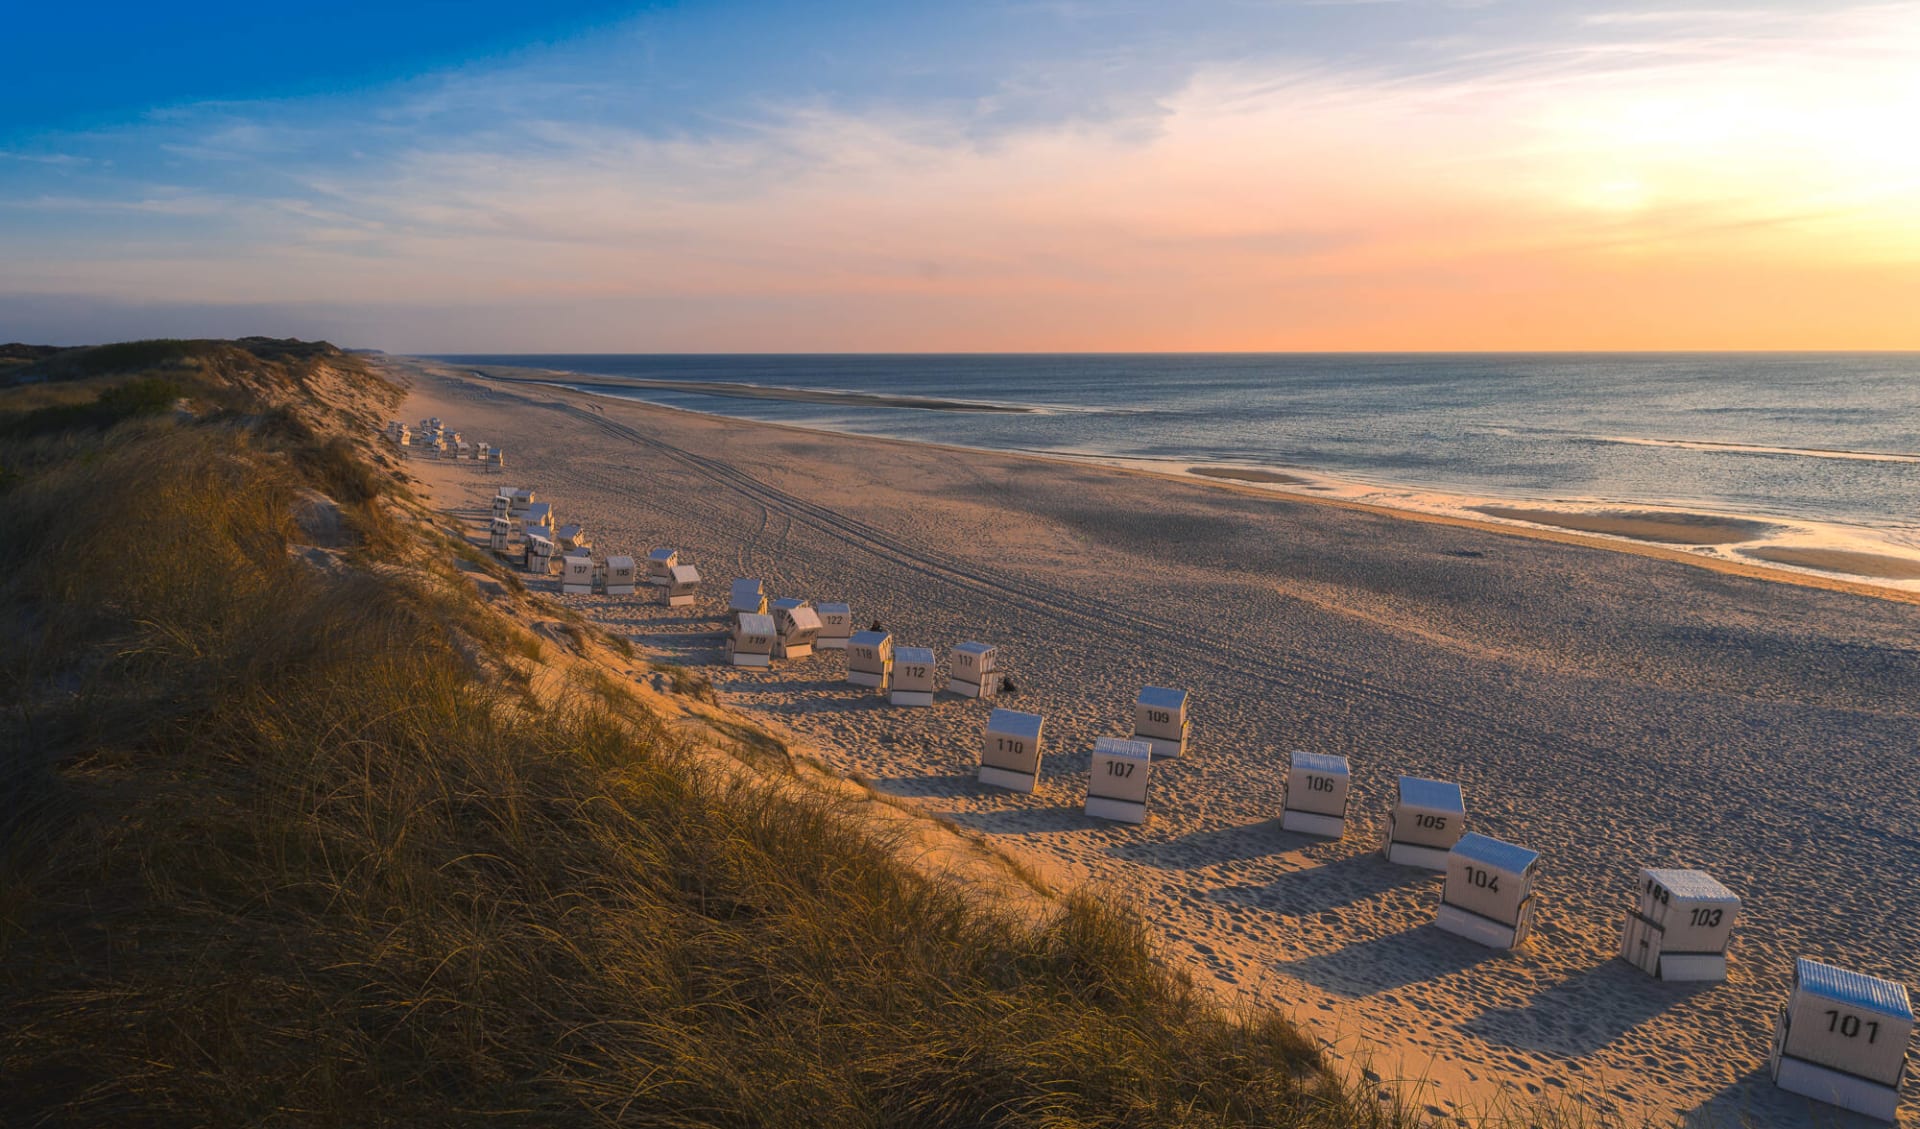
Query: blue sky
x,y
1030,174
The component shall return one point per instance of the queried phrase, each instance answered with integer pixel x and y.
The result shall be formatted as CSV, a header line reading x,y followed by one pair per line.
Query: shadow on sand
x,y
1263,839
941,784
1025,821
1327,887
1386,963
1583,1013
818,686
1753,1099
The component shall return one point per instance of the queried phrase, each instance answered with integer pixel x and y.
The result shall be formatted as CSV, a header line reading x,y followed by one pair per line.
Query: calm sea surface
x,y
1825,437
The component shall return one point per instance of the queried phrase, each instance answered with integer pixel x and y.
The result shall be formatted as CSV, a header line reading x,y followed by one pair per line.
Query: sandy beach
x,y
1612,710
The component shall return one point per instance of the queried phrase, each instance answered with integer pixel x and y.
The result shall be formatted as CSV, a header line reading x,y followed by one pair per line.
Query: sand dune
x,y
1607,709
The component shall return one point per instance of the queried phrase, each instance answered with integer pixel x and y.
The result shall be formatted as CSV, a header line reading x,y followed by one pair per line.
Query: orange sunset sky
x,y
1040,177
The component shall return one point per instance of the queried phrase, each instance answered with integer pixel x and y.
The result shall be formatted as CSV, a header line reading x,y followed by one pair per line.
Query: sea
x,y
1831,439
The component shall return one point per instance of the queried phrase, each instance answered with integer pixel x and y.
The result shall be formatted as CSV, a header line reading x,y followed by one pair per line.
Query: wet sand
x,y
1642,525
745,391
1610,709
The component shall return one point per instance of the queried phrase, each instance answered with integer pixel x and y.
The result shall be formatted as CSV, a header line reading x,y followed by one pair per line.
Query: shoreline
x,y
1421,504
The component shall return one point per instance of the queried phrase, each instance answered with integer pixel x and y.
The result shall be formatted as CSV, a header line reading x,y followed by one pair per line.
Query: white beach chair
x,y
660,564
1314,797
1680,926
972,670
836,627
622,574
797,626
683,584
1488,896
870,659
576,575
747,595
1117,786
1842,1039
1010,751
752,641
913,677
1427,819
1160,719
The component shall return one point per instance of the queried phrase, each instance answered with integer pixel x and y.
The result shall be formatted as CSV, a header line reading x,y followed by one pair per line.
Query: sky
x,y
993,176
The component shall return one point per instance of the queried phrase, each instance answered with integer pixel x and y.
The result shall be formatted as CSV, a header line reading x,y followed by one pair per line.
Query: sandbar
x,y
1642,525
1877,565
1246,474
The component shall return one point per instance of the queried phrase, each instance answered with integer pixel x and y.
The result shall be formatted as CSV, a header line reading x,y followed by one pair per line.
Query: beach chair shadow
x,y
814,686
1753,1099
1585,1012
1333,885
679,621
1205,848
1387,963
943,785
1023,821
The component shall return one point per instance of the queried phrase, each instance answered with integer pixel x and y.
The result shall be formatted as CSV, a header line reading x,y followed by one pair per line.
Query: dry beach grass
x,y
313,816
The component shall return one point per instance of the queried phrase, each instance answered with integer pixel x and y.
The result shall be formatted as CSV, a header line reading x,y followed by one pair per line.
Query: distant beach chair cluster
x,y
1841,1037
434,440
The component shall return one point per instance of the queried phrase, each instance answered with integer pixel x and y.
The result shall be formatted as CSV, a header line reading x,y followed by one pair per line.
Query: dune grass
x,y
277,846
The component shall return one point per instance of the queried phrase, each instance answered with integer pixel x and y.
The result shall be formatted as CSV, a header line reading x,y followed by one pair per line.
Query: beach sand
x,y
1612,710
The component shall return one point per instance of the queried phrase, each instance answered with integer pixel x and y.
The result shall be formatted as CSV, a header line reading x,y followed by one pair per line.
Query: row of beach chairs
x,y
1841,1037
434,440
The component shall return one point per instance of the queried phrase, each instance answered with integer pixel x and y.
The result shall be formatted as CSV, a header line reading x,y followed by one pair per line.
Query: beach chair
x,y
1680,926
1117,785
539,552
747,595
1010,751
660,564
622,575
836,627
913,677
576,575
683,584
1488,896
1160,719
972,670
1427,819
752,640
1842,1039
1314,797
796,626
870,659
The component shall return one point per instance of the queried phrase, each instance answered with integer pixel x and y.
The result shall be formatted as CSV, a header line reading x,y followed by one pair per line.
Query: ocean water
x,y
1829,438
